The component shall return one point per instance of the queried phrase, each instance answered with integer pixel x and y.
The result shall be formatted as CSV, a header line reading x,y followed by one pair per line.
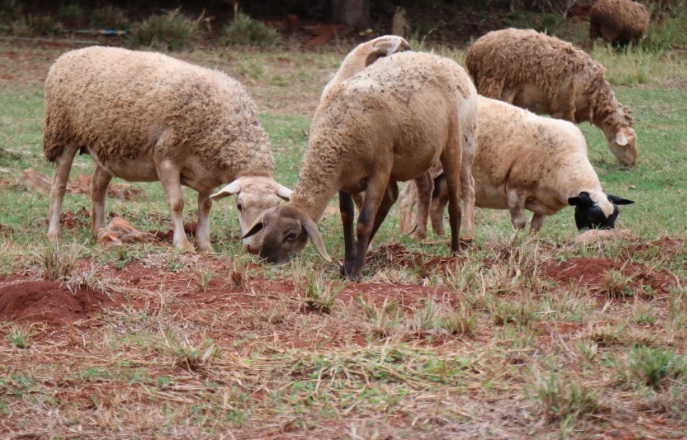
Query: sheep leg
x,y
516,206
375,192
536,223
59,187
203,228
424,185
468,193
407,201
451,161
436,214
347,216
99,182
390,196
170,177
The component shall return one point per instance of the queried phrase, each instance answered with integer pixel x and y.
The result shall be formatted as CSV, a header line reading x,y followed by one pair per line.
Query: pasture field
x,y
541,338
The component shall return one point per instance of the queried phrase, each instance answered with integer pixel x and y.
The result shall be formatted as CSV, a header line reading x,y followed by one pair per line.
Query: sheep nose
x,y
251,249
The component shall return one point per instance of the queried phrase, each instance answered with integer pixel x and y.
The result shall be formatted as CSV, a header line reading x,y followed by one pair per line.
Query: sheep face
x,y
286,231
254,196
596,211
623,145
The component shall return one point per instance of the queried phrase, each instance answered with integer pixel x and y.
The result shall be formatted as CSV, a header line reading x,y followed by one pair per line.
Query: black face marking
x,y
588,215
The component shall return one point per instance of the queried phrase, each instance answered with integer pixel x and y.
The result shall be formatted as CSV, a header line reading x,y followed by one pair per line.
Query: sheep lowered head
x,y
597,210
254,195
623,142
286,231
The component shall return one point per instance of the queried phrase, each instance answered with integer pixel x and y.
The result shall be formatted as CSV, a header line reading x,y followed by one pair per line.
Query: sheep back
x,y
402,106
119,103
506,58
543,157
619,22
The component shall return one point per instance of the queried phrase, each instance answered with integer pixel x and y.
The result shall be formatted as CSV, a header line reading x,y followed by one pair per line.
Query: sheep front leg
x,y
203,228
536,223
347,216
59,187
99,182
368,222
424,185
170,178
407,201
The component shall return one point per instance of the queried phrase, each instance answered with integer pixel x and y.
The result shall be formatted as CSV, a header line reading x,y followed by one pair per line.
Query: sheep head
x,y
254,196
286,230
623,145
597,210
367,53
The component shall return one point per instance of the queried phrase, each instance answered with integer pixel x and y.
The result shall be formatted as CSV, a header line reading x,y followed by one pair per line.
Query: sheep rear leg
x,y
536,223
59,187
99,182
424,185
451,161
468,193
203,228
170,177
438,206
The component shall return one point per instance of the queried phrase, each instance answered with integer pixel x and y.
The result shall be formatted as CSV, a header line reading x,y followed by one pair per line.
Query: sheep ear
x,y
619,200
316,238
284,192
257,227
620,139
385,46
229,190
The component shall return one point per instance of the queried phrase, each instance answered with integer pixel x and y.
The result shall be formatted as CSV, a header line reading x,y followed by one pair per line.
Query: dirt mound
x,y
592,272
50,302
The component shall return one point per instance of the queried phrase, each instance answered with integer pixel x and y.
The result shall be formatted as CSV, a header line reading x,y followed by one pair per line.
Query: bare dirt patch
x,y
50,302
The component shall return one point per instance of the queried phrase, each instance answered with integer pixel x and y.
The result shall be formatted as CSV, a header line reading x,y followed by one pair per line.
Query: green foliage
x,y
559,399
655,366
72,12
246,31
172,31
45,25
110,17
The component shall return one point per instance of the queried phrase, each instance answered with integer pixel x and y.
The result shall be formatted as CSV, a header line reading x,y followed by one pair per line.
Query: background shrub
x,y
243,30
171,31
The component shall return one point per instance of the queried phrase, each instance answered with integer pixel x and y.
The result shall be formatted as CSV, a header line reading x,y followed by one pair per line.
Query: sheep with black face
x,y
524,161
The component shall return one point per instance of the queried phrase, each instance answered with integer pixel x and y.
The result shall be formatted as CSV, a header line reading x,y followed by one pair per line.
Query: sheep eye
x,y
291,237
239,207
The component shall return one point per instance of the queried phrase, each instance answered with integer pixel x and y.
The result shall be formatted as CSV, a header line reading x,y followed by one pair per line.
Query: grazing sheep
x,y
388,123
144,117
525,161
619,22
550,76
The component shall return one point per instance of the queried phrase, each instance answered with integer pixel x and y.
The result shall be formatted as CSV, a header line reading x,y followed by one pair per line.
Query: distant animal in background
x,y
618,22
550,76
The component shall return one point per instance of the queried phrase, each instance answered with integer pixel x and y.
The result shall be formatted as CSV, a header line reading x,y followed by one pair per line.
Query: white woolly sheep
x,y
525,161
388,123
146,116
550,76
619,22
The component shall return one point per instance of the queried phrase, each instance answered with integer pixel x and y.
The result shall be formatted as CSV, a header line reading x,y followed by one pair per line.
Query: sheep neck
x,y
318,182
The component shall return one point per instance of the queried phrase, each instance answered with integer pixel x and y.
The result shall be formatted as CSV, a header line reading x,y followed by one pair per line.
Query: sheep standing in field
x,y
550,76
619,22
525,161
144,117
390,122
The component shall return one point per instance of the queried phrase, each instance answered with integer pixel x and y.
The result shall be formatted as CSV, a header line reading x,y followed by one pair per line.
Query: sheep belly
x,y
132,170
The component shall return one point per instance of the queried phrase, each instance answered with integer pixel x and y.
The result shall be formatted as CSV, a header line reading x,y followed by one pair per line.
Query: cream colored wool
x,y
551,76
